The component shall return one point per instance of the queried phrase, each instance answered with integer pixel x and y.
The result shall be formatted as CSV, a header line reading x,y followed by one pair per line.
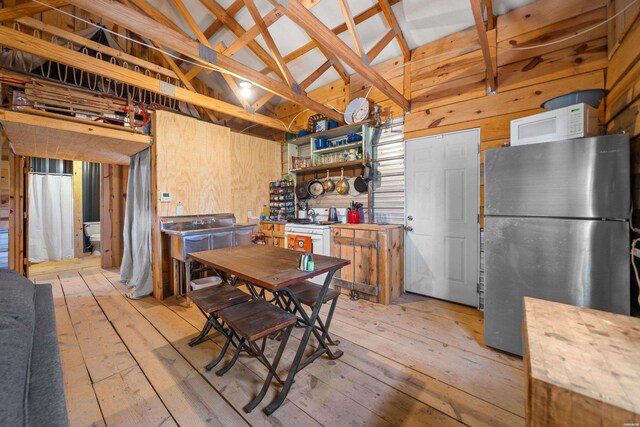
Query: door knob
x,y
410,218
408,228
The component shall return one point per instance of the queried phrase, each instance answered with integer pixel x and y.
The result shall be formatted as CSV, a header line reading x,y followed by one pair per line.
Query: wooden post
x,y
78,230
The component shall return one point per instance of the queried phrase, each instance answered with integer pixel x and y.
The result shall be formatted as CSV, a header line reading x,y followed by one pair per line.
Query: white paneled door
x,y
442,206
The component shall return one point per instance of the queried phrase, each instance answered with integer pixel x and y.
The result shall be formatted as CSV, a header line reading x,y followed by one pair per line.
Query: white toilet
x,y
92,231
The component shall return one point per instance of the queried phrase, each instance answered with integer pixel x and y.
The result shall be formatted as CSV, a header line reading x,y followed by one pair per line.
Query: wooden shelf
x,y
336,148
331,133
329,166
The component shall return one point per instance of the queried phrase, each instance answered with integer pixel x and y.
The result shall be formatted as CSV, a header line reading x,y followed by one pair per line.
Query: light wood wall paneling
x,y
18,214
193,164
78,231
259,161
112,202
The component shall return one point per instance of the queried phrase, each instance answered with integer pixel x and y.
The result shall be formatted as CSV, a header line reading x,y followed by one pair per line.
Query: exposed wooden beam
x,y
144,26
351,26
193,25
476,8
261,102
217,25
154,14
395,26
336,64
28,9
271,45
187,83
106,50
382,43
237,29
324,36
254,31
193,72
372,11
315,75
26,43
491,18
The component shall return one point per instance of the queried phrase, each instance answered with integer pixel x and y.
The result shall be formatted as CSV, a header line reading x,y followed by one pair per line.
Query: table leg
x,y
309,329
187,285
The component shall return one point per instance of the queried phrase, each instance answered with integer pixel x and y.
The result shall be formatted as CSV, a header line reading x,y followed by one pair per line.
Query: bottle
x,y
264,214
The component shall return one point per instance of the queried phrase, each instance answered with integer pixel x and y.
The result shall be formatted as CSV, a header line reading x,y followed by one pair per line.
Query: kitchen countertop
x,y
367,226
582,365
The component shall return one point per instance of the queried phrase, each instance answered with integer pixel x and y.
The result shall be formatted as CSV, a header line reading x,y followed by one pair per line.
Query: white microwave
x,y
573,121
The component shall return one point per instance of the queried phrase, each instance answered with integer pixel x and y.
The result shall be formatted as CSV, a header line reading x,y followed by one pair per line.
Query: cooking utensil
x,y
302,193
315,187
361,185
328,184
352,190
342,186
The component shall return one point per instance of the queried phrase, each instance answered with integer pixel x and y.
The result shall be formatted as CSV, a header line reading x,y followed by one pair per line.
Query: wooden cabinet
x,y
376,252
273,233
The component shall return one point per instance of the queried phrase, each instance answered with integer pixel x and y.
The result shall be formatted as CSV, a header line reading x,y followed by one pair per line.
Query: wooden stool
x,y
251,321
307,293
209,301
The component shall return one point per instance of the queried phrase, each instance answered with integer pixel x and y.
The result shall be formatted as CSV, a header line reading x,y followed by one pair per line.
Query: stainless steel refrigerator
x,y
556,228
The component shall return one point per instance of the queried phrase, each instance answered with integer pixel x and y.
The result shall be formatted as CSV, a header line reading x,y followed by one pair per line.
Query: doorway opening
x,y
63,205
442,205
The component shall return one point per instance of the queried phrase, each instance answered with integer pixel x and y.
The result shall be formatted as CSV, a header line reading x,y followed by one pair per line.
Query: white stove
x,y
320,234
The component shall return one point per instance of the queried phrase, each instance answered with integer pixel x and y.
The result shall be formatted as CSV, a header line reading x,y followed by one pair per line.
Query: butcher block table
x,y
582,366
275,269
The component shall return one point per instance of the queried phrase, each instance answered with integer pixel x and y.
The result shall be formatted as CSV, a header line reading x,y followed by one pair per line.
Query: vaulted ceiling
x,y
285,48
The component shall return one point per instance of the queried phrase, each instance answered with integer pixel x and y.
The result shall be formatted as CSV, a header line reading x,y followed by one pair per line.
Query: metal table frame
x,y
309,328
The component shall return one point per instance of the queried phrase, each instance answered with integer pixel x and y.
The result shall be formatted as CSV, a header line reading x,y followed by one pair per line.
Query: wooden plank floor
x,y
417,362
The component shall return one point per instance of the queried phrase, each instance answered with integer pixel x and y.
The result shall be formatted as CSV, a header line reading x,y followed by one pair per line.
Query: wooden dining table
x,y
274,270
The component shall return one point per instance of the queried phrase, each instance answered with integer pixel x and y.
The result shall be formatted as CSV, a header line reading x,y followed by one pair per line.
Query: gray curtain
x,y
136,260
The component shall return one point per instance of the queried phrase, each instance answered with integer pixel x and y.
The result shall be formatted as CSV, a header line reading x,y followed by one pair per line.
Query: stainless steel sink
x,y
204,232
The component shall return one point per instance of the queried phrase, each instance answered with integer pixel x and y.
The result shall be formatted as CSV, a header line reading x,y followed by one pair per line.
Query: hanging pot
x,y
302,193
360,185
328,184
342,186
315,187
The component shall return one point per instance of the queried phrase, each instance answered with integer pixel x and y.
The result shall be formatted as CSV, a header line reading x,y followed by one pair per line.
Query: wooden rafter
x,y
382,43
395,26
316,74
153,13
271,45
106,50
28,9
335,63
476,8
238,30
47,50
324,36
372,11
217,25
351,26
214,118
144,26
193,25
491,18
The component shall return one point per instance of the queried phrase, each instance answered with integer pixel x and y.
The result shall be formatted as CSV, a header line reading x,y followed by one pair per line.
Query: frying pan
x,y
315,187
342,186
302,193
328,184
360,184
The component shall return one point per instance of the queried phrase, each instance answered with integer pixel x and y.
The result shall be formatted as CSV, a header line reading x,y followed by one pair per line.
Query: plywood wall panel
x,y
193,164
257,161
